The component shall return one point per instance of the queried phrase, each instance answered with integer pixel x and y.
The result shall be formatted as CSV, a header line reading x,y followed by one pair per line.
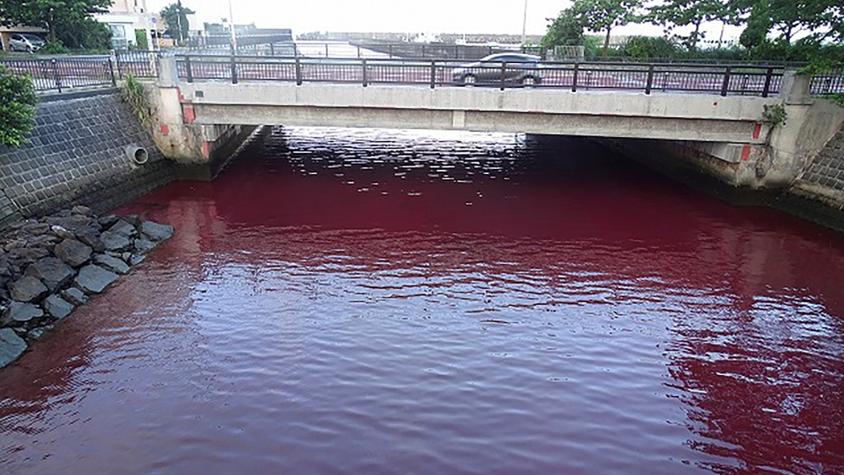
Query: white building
x,y
124,17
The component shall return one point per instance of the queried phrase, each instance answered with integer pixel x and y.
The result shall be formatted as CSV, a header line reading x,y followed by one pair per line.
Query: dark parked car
x,y
518,68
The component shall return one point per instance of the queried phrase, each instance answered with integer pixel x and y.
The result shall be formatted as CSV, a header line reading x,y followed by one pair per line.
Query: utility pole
x,y
179,21
524,24
231,27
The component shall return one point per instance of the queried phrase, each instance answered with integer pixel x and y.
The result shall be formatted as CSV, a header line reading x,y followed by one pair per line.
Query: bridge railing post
x,y
574,77
503,74
433,74
56,75
298,68
365,73
650,82
766,90
725,86
111,72
233,66
188,68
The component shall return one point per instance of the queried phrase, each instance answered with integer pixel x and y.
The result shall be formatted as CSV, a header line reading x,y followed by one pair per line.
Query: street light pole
x,y
231,26
179,21
524,24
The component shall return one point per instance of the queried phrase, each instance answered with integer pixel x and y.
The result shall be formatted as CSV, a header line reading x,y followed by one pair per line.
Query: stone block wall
x,y
827,169
76,155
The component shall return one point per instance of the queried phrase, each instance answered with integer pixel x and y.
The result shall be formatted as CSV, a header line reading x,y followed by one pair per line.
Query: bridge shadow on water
x,y
446,302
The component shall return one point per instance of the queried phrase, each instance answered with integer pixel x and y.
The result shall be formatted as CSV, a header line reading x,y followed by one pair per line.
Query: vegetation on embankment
x,y
17,108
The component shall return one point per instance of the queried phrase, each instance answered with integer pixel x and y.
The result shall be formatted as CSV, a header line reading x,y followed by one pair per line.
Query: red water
x,y
396,302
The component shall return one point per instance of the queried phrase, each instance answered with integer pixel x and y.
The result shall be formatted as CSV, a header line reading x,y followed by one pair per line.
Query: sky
x,y
417,16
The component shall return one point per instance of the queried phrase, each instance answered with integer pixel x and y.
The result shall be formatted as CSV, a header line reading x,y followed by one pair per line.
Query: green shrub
x,y
54,47
647,47
141,40
135,94
86,34
17,108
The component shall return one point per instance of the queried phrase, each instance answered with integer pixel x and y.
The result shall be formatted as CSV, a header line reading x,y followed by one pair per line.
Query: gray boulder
x,y
113,241
112,263
52,271
156,232
94,279
73,252
136,259
143,245
124,228
61,231
27,289
84,210
38,333
20,312
75,296
11,346
57,307
91,238
108,220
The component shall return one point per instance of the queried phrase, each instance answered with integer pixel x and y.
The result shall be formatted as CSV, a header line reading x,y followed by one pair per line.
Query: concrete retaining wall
x,y
828,168
823,179
77,156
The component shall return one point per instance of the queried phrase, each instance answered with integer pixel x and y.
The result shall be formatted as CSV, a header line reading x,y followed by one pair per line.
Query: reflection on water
x,y
406,302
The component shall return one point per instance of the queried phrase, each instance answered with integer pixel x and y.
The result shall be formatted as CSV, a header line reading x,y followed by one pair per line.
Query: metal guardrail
x,y
574,76
62,73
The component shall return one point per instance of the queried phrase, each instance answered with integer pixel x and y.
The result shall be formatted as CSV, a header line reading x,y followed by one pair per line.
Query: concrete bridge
x,y
201,106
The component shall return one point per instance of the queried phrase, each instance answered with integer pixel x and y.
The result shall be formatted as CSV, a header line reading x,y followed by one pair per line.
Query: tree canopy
x,y
769,25
565,30
176,18
58,17
604,15
673,14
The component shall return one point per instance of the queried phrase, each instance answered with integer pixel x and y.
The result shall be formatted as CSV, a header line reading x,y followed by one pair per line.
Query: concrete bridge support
x,y
203,148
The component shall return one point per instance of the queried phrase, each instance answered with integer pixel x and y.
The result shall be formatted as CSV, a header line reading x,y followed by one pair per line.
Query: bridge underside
x,y
594,114
482,121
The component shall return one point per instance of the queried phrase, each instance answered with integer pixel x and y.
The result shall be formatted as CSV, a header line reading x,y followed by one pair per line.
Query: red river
x,y
367,301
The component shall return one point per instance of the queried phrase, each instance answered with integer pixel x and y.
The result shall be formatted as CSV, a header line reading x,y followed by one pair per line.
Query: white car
x,y
26,42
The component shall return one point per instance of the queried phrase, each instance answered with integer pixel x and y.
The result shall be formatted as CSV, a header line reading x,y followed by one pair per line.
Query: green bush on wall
x,y
17,108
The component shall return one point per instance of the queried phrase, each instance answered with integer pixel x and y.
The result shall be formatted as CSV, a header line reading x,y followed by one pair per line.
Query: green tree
x,y
17,108
86,33
758,26
176,18
52,15
565,30
604,15
692,13
786,19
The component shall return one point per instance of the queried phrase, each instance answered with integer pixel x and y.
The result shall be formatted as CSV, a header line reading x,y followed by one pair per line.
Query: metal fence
x,y
828,83
67,72
62,73
574,76
441,51
142,64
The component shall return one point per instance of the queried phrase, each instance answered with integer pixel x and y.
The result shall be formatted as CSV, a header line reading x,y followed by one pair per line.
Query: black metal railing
x,y
142,64
63,73
574,76
60,73
831,82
